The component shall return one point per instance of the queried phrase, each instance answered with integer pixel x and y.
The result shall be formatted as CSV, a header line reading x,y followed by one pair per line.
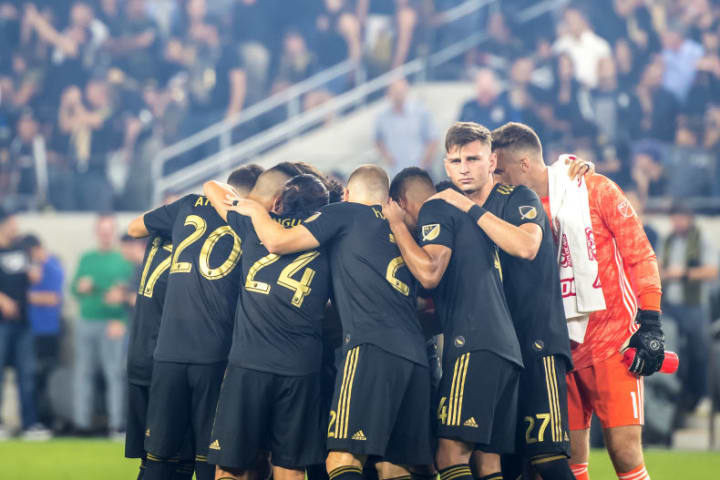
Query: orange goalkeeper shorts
x,y
608,389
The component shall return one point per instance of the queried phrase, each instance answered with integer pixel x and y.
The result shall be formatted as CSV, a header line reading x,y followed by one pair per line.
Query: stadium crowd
x,y
92,90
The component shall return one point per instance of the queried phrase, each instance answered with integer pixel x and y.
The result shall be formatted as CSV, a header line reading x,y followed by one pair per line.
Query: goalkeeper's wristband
x,y
648,317
476,211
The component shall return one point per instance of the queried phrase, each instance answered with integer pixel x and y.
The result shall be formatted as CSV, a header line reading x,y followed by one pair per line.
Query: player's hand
x,y
115,329
84,285
116,295
393,212
243,206
9,308
578,167
649,343
454,198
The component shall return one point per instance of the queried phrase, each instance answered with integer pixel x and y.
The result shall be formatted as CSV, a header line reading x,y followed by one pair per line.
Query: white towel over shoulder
x,y
570,211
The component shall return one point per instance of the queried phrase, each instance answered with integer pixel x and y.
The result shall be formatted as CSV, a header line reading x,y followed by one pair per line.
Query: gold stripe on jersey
x,y
550,397
457,389
557,402
343,409
505,189
553,400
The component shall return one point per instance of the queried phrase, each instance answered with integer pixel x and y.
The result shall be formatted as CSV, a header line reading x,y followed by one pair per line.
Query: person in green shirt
x,y
100,287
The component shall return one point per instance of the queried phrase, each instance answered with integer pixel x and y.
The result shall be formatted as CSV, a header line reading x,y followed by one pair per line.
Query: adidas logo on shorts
x,y
359,435
215,445
470,422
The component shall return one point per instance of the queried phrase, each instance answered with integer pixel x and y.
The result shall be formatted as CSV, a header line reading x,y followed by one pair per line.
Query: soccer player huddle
x,y
238,369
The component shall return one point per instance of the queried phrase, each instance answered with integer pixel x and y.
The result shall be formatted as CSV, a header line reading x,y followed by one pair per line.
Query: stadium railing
x,y
229,155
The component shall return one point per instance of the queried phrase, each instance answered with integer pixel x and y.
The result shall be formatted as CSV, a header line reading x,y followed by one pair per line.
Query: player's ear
x,y
446,165
493,162
346,195
277,205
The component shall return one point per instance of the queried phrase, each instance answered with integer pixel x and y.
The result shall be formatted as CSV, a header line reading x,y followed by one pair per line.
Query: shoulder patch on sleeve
x,y
430,232
625,209
527,212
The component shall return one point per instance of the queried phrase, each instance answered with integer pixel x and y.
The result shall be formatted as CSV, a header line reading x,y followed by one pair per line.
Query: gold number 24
x,y
300,287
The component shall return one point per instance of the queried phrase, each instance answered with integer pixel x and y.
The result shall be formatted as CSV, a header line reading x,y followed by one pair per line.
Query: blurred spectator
x,y
133,251
405,134
660,108
569,99
616,111
45,304
503,46
628,19
389,30
254,42
680,55
490,107
629,65
28,157
100,286
93,131
689,168
584,46
688,263
648,172
706,86
134,39
16,338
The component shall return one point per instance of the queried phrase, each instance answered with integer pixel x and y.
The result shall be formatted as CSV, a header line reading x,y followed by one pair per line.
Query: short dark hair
x,y
29,241
445,184
288,169
462,133
303,193
516,136
335,189
399,184
245,176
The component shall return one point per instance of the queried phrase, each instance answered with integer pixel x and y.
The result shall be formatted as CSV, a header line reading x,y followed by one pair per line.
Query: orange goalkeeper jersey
x,y
627,268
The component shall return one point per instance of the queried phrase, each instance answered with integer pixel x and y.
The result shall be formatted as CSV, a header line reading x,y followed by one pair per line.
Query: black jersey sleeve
x,y
524,206
161,220
327,223
239,223
436,224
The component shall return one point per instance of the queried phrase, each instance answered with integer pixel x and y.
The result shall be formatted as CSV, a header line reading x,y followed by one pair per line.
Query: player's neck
x,y
480,196
540,183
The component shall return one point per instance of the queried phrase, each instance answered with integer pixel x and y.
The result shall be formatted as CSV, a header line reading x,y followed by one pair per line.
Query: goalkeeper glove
x,y
649,343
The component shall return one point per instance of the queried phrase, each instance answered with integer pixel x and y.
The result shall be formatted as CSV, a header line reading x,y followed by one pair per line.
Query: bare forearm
x,y
702,273
418,261
215,192
44,298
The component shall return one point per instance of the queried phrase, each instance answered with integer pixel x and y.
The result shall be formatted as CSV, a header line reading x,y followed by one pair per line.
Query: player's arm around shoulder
x,y
427,263
218,193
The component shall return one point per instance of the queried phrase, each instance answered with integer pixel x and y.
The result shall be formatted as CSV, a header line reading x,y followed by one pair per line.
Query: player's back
x,y
531,287
203,282
373,290
148,310
278,327
469,299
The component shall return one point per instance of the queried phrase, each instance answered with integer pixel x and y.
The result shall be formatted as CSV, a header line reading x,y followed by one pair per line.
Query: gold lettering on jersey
x,y
378,213
289,222
202,202
312,217
392,238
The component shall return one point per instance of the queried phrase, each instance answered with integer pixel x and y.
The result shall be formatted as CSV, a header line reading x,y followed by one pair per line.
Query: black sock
x,y
141,473
456,472
348,472
423,476
492,476
204,471
158,468
183,470
554,467
317,472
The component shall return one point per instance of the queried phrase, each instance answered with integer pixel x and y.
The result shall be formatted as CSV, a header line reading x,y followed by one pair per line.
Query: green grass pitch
x,y
70,459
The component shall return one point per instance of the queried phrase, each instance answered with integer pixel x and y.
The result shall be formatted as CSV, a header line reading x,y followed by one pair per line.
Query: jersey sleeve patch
x,y
527,212
430,232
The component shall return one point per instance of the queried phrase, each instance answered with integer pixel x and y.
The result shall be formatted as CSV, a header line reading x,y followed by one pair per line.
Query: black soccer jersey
x,y
278,323
148,310
373,290
469,299
531,287
203,283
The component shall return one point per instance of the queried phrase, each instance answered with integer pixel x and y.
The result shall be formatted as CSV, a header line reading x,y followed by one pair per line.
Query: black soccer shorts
x,y
138,399
183,399
543,408
381,406
264,412
478,401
